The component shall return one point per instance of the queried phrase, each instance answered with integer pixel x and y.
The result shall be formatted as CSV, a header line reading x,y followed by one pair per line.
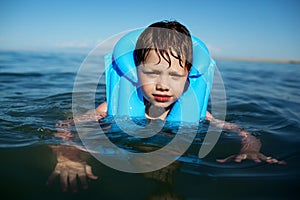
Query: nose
x,y
162,84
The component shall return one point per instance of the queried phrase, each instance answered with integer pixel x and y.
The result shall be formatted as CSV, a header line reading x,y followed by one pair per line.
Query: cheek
x,y
178,87
147,89
144,80
146,83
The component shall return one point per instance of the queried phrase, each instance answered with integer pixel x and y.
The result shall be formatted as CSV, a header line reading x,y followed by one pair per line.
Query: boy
x,y
163,60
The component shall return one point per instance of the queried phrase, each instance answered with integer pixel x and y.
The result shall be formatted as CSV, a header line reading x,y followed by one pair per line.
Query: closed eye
x,y
151,72
177,75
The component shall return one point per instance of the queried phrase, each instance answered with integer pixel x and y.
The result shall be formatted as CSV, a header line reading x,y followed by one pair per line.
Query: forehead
x,y
153,60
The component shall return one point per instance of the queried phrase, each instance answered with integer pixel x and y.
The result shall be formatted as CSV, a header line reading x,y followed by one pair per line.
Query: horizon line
x,y
224,58
266,60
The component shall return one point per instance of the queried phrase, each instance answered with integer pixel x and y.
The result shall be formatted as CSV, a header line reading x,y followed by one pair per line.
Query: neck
x,y
154,112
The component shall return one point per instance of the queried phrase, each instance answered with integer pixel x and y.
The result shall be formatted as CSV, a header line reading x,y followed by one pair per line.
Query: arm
x,y
250,144
93,115
63,127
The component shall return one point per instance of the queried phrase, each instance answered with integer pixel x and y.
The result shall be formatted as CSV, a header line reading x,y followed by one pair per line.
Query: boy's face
x,y
160,83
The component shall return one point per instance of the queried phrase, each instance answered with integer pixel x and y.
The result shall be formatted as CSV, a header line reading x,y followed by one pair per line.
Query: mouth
x,y
161,98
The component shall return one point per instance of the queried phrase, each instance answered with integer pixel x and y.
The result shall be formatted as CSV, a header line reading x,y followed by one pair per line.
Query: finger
x,y
257,160
64,180
61,124
52,178
281,162
71,122
240,157
83,181
60,135
254,157
66,123
270,160
73,182
226,159
273,160
58,123
89,172
262,157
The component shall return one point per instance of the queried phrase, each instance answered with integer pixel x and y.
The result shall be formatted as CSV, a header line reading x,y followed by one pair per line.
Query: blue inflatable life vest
x,y
124,97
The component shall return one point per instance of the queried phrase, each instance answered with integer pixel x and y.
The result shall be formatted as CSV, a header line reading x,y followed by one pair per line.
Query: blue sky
x,y
231,28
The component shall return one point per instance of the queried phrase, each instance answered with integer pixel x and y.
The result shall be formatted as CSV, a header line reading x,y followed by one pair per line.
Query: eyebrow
x,y
176,74
173,72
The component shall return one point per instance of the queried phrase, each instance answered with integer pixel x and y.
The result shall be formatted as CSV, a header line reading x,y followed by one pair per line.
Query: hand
x,y
64,129
255,156
68,171
64,123
250,151
69,166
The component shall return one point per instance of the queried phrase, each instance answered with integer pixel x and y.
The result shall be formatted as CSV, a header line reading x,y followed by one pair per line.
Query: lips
x,y
161,98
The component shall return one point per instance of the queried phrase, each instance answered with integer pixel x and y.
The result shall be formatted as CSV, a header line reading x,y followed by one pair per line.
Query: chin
x,y
162,104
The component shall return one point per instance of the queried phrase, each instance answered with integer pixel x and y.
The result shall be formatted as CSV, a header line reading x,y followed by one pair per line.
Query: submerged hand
x,y
63,129
250,151
69,166
63,124
68,171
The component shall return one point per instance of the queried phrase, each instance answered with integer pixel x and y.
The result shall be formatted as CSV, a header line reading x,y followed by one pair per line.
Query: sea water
x,y
263,97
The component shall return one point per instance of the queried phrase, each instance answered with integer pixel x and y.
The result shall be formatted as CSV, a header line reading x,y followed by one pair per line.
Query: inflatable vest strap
x,y
124,97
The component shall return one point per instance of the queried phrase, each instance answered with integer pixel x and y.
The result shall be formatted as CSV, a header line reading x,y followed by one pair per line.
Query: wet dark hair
x,y
166,38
